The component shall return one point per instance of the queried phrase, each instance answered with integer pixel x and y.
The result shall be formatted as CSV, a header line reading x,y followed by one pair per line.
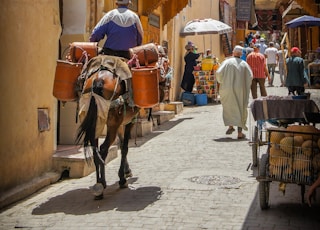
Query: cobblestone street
x,y
187,174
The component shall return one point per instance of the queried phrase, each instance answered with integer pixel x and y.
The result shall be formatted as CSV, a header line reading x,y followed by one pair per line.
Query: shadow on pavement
x,y
81,201
137,142
171,123
285,211
229,139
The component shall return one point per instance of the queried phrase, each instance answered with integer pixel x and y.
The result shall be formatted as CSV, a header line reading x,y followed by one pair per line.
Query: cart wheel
x,y
264,186
255,147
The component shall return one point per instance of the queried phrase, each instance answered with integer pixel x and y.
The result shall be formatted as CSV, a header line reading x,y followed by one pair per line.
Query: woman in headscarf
x,y
190,59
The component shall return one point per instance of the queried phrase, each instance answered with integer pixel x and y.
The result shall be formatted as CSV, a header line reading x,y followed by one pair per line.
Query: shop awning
x,y
150,5
170,8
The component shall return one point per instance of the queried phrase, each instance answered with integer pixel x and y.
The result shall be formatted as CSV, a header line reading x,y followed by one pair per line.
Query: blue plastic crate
x,y
201,99
188,98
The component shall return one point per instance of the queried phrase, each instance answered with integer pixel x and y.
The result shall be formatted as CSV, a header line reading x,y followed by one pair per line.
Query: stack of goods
x,y
294,154
204,83
207,64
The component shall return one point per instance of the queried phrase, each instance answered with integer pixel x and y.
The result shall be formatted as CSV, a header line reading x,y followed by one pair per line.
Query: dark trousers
x,y
254,88
118,53
296,89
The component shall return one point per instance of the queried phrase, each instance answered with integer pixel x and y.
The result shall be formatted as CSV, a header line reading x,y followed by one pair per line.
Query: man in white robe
x,y
235,77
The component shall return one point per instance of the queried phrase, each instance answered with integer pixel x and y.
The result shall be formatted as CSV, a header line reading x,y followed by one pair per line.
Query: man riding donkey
x,y
106,97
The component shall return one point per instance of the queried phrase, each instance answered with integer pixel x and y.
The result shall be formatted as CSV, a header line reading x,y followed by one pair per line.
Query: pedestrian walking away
x,y
123,30
257,63
295,77
263,46
249,49
235,77
281,54
271,55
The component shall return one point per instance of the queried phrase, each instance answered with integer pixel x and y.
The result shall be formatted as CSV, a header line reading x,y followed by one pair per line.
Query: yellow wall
x,y
29,45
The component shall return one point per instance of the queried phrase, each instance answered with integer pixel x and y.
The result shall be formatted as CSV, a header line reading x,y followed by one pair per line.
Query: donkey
x,y
105,99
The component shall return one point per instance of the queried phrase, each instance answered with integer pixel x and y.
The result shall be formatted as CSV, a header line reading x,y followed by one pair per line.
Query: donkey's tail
x,y
87,129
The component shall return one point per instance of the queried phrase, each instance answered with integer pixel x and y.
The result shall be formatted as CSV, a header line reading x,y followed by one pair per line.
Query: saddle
x,y
105,79
107,71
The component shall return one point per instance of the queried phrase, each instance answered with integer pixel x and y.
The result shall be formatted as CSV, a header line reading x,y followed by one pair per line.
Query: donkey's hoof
x,y
125,185
97,190
100,197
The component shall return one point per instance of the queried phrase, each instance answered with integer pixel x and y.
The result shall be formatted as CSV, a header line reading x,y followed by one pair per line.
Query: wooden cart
x,y
276,112
288,161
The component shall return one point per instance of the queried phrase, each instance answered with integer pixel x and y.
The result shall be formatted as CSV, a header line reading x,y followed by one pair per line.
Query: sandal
x,y
243,136
230,131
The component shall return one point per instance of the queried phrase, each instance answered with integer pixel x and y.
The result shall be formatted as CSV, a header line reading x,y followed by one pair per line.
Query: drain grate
x,y
215,180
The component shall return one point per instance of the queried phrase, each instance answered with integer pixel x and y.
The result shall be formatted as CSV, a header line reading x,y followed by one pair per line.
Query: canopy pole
x,y
204,44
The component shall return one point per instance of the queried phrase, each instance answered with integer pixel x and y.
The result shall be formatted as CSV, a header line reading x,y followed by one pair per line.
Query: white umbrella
x,y
205,26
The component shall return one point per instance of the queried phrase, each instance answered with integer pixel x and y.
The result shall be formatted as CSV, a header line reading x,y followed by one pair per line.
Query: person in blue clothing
x,y
123,30
244,51
263,45
295,73
249,38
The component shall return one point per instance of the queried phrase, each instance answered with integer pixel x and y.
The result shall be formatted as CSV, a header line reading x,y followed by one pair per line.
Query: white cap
x,y
123,2
237,49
